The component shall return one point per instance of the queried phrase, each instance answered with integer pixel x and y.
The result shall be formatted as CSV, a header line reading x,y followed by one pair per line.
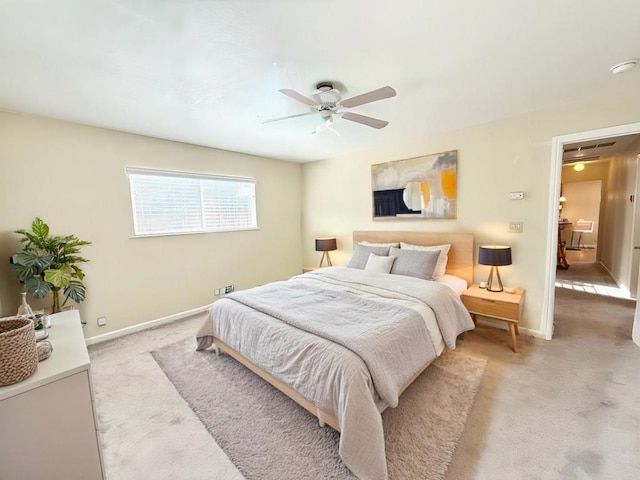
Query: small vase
x,y
39,321
24,310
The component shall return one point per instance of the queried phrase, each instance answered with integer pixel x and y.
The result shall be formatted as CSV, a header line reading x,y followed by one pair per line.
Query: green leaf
x,y
78,272
25,258
75,291
40,229
37,288
58,277
44,261
24,272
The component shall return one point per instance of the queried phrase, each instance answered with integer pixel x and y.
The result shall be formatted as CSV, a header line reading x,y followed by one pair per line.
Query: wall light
x,y
578,167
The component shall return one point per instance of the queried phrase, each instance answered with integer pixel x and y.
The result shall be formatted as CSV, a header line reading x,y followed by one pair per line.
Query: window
x,y
166,203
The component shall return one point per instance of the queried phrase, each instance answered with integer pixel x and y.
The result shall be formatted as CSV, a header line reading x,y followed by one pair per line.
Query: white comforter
x,y
306,332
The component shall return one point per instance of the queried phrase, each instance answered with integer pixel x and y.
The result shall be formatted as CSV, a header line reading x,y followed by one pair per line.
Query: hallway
x,y
584,275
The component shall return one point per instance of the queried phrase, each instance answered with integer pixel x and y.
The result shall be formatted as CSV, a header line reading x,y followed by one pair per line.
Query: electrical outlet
x,y
515,227
228,289
516,195
216,292
102,321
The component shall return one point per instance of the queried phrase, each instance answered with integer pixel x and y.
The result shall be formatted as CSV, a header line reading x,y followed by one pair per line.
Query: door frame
x,y
555,177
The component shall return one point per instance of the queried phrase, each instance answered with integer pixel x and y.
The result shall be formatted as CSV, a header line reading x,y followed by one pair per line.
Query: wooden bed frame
x,y
460,264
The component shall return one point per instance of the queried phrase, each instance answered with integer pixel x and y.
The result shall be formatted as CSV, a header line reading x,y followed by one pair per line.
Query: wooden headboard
x,y
460,261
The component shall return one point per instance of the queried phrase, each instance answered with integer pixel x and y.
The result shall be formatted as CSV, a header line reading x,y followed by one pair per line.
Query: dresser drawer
x,y
492,308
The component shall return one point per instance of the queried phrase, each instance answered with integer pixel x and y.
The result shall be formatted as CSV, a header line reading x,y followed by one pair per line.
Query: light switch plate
x,y
515,227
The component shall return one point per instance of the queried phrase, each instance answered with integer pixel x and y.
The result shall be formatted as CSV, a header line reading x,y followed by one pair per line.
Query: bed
x,y
345,342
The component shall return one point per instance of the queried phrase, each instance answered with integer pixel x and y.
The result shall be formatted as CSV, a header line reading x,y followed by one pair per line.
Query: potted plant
x,y
49,264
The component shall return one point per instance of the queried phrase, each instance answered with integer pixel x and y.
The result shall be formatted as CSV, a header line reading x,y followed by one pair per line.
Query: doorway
x,y
557,151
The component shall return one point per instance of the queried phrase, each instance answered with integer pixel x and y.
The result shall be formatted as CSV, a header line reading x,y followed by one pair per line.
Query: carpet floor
x,y
560,409
270,437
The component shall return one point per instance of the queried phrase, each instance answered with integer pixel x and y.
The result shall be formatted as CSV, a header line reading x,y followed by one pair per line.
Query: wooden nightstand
x,y
309,269
503,306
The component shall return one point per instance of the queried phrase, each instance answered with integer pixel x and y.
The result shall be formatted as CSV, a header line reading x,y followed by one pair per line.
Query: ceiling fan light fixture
x,y
625,66
327,101
326,94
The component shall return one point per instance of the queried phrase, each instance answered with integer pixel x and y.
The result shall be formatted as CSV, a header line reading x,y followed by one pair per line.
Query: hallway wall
x,y
618,225
583,203
592,171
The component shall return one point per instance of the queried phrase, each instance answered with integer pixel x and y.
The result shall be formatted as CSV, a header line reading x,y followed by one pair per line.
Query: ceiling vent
x,y
580,159
589,147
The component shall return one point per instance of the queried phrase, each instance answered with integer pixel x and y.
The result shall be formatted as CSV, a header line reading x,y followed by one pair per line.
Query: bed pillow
x,y
378,263
371,244
414,263
361,255
442,259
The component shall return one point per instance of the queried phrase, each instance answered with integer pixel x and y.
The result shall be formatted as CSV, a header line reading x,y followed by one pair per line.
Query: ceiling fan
x,y
328,102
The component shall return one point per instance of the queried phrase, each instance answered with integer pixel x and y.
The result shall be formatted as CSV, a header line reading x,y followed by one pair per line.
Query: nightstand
x,y
503,306
309,269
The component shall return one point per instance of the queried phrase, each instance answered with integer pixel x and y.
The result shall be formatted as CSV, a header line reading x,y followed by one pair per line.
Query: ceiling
x,y
596,150
208,72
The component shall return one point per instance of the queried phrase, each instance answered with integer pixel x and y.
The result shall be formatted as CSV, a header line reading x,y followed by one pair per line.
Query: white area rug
x,y
268,436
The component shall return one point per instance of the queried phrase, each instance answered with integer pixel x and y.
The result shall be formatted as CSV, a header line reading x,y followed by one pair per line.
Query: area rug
x,y
270,437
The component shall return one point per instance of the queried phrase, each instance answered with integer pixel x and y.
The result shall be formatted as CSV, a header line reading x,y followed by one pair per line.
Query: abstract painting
x,y
420,187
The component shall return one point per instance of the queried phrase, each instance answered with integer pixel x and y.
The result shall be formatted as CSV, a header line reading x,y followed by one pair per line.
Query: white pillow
x,y
441,266
361,255
370,244
378,263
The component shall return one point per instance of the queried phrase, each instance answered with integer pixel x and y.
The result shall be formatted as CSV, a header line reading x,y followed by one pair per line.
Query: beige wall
x,y
583,202
73,177
592,171
617,240
493,159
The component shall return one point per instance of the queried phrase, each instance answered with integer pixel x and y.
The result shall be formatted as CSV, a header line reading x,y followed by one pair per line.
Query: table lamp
x,y
326,245
495,256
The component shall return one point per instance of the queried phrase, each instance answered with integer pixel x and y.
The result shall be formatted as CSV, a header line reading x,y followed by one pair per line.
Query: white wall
x,y
73,177
618,226
592,171
493,159
583,202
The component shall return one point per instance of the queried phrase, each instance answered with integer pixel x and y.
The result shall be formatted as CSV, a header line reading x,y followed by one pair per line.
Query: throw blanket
x,y
451,315
281,327
375,331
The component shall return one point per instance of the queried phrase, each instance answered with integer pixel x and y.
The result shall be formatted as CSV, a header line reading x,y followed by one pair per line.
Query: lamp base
x,y
490,286
325,255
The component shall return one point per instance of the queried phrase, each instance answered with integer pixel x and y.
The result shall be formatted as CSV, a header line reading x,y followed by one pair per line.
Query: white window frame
x,y
139,217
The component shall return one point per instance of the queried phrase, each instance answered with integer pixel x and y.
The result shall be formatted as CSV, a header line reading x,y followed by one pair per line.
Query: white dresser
x,y
48,426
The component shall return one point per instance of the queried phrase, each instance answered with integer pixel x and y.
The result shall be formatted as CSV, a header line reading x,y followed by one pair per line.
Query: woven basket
x,y
18,358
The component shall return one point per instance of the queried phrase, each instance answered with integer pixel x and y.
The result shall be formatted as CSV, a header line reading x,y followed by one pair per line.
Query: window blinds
x,y
167,202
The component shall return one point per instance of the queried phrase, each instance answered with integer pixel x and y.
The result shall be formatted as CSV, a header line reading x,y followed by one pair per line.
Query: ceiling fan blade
x,y
289,116
298,96
368,121
372,96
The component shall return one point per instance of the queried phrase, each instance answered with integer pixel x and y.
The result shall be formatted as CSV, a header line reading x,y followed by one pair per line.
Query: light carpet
x,y
268,436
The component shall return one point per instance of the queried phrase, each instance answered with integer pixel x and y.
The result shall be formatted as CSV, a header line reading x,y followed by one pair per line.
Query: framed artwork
x,y
420,187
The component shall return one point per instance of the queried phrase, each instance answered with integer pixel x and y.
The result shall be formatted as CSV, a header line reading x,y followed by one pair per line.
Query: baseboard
x,y
503,326
622,287
146,325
